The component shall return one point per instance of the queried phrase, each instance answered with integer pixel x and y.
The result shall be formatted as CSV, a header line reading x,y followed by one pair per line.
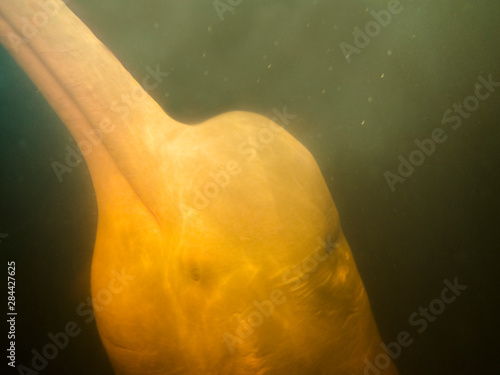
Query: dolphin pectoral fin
x,y
101,104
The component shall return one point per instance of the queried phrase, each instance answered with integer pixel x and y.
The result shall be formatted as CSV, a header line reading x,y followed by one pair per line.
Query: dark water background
x,y
442,222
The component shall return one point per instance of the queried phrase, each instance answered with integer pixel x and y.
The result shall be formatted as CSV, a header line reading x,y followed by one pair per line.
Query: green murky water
x,y
367,100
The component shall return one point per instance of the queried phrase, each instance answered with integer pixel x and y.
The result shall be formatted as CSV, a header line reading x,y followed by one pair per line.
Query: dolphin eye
x,y
195,274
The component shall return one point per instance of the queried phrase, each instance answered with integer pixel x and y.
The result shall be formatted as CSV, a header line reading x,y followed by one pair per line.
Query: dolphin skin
x,y
219,248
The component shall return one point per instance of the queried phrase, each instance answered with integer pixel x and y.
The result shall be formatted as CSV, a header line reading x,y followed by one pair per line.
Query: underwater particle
x,y
205,72
167,95
322,92
210,29
264,57
339,88
226,79
156,25
269,66
308,24
363,122
330,68
276,42
389,52
204,54
258,80
370,99
382,76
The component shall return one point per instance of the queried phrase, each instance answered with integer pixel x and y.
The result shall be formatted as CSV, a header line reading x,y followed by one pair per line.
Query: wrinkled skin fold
x,y
213,256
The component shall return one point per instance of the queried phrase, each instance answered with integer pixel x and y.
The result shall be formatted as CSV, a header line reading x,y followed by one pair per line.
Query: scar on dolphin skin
x,y
195,268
